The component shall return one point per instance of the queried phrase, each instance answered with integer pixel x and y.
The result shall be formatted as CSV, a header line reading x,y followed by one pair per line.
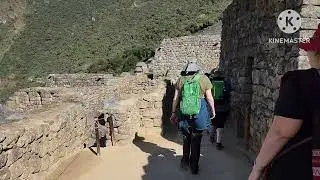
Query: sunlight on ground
x,y
155,158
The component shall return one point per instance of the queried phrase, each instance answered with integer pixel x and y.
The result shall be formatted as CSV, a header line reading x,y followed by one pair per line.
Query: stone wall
x,y
173,54
150,109
52,128
123,87
76,88
77,80
37,97
255,66
59,119
29,148
136,114
93,97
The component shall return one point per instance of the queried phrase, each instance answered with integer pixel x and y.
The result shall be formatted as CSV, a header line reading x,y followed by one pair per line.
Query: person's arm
x,y
282,129
210,101
287,121
207,85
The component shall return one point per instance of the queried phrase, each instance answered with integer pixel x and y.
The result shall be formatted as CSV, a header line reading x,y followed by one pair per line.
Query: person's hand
x,y
213,115
256,173
173,118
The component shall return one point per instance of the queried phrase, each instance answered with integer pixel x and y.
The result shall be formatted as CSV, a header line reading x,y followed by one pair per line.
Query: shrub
x,y
123,62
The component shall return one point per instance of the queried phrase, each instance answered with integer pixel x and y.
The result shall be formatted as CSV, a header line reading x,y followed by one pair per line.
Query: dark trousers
x,y
191,147
220,119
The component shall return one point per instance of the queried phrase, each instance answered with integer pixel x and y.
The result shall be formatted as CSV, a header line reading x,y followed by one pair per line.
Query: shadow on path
x,y
163,163
155,158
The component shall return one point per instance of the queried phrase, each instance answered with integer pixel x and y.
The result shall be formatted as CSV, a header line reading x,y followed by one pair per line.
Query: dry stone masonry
x,y
58,120
173,54
29,147
255,66
78,80
135,114
141,67
33,98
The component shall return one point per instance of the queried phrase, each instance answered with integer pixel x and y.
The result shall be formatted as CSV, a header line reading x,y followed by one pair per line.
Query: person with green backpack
x,y
221,95
192,95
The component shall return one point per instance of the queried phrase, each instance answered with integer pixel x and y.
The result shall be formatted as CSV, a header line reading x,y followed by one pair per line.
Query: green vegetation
x,y
123,62
73,36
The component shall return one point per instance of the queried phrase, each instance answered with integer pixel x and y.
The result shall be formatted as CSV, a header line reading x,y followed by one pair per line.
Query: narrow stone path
x,y
155,158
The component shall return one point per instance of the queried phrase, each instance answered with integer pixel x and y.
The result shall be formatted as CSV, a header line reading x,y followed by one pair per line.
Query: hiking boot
x,y
219,146
184,164
194,169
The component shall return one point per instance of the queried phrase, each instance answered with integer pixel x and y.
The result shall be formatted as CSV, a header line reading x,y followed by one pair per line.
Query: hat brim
x,y
192,68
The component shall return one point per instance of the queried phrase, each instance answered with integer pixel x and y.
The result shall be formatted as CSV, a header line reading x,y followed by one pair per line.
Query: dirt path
x,y
156,158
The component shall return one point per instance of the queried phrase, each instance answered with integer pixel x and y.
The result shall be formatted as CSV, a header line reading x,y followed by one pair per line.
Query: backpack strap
x,y
196,78
184,79
293,147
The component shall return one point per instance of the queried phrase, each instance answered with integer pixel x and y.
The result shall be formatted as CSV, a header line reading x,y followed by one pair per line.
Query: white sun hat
x,y
192,66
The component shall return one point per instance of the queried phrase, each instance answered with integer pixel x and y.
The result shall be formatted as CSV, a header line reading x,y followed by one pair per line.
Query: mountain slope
x,y
96,35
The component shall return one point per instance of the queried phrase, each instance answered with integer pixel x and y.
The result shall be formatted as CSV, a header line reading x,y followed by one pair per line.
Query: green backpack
x,y
190,103
218,89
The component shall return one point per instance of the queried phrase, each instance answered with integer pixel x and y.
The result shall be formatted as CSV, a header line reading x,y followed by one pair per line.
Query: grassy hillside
x,y
97,35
